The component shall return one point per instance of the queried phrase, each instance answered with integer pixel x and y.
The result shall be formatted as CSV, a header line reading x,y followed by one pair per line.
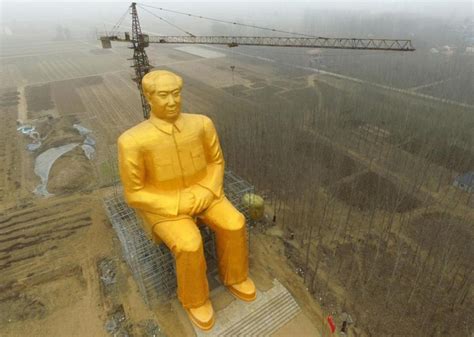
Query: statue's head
x,y
162,90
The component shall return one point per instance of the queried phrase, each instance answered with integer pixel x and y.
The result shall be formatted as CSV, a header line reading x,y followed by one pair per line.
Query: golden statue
x,y
172,171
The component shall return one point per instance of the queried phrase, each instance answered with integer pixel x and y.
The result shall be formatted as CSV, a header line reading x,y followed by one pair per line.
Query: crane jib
x,y
338,43
317,42
299,42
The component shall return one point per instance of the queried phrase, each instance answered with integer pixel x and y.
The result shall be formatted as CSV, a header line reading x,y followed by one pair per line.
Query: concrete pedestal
x,y
272,310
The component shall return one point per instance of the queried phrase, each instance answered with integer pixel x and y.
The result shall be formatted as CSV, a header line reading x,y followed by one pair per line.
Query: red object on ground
x,y
332,325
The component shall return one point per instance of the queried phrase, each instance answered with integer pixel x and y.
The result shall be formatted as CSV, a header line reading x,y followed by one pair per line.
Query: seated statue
x,y
172,171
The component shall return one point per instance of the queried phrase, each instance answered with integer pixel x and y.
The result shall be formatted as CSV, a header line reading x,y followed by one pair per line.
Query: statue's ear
x,y
147,96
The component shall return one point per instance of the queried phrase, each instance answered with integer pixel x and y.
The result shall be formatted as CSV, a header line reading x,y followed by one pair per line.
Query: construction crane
x,y
140,41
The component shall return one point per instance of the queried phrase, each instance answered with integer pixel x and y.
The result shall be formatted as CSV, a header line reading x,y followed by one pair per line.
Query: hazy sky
x,y
260,12
348,4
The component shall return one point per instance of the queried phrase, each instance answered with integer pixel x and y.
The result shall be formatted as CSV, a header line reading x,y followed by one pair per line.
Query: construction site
x,y
368,184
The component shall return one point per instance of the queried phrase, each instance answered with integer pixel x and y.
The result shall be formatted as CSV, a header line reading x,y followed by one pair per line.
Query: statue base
x,y
271,310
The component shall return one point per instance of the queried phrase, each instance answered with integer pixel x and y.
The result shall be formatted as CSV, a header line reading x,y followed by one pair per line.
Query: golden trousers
x,y
183,238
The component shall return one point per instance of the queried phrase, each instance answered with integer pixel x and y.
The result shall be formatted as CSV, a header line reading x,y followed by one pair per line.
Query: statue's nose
x,y
171,100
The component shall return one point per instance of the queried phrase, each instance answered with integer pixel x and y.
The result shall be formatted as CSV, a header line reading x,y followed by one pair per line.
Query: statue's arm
x,y
214,179
132,175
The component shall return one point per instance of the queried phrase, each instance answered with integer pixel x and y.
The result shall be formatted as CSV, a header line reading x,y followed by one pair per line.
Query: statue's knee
x,y
189,245
236,222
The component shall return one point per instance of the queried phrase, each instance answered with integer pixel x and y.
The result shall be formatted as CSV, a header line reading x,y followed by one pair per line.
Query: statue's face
x,y
165,100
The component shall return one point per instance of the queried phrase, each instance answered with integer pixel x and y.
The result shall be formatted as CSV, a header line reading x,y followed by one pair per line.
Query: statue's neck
x,y
168,120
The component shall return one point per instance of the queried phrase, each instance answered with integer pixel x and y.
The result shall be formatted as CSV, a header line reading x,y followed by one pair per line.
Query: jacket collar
x,y
167,127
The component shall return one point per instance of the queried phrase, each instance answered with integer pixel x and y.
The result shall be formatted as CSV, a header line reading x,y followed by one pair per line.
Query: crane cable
x,y
119,22
227,22
163,19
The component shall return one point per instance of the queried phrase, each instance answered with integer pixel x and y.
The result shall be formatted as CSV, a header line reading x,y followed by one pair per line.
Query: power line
x,y
227,22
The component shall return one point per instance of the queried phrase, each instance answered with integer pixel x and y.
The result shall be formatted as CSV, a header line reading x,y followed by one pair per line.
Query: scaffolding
x,y
152,265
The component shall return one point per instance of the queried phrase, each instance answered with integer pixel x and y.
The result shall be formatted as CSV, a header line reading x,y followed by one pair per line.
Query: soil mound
x,y
70,173
371,190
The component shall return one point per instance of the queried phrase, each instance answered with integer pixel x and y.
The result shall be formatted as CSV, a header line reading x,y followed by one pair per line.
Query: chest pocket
x,y
199,159
164,169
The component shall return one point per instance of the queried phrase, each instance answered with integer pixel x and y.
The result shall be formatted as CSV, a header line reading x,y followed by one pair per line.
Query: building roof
x,y
466,179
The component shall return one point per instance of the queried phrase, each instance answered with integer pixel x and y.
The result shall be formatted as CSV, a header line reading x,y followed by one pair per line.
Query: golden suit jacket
x,y
158,160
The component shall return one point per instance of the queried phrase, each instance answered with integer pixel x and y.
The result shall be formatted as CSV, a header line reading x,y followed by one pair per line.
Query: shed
x,y
465,182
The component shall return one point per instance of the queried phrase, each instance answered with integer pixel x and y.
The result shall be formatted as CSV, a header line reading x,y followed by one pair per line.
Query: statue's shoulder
x,y
196,117
133,136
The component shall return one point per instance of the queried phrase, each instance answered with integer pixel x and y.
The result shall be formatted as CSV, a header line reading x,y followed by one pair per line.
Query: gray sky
x,y
276,14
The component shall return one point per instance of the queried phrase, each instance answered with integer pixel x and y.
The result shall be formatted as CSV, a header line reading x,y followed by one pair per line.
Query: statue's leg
x,y
231,241
183,238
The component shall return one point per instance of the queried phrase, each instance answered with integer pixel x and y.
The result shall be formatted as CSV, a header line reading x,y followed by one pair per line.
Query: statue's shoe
x,y
203,316
244,291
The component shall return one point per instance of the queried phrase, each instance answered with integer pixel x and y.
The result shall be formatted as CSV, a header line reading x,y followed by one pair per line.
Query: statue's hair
x,y
149,80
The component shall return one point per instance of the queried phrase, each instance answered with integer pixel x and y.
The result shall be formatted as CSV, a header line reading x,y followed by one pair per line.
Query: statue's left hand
x,y
203,199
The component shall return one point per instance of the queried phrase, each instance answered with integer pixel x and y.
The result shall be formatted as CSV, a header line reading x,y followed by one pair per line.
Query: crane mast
x,y
140,58
140,41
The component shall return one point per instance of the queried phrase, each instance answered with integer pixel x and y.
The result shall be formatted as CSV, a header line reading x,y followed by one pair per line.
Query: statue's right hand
x,y
186,202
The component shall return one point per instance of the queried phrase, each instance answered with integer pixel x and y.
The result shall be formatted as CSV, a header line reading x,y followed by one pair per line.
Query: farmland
x,y
357,178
